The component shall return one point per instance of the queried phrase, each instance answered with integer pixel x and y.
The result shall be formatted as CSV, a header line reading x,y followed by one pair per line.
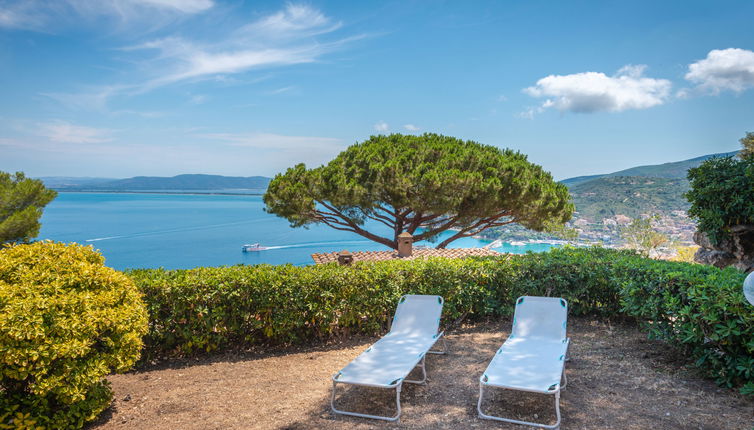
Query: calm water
x,y
185,231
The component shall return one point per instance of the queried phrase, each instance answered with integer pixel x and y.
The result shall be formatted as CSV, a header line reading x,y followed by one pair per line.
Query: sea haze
x,y
180,231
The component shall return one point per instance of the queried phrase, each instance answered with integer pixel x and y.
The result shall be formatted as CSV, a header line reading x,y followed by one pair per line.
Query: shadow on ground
x,y
616,380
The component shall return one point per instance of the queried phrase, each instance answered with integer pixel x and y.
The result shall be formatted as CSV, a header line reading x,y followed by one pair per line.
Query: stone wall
x,y
737,251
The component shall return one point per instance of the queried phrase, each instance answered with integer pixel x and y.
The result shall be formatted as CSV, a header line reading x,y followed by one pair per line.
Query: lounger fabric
x,y
412,334
533,356
388,362
529,365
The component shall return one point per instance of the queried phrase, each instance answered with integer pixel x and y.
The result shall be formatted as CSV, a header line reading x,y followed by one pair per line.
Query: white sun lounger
x,y
387,363
533,357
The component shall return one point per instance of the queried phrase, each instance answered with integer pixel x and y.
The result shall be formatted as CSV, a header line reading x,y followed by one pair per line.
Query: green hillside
x,y
675,169
628,195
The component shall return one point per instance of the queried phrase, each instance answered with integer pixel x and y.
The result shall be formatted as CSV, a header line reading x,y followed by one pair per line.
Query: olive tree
x,y
423,185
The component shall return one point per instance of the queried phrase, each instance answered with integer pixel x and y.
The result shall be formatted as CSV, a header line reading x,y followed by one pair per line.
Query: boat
x,y
517,243
497,243
251,247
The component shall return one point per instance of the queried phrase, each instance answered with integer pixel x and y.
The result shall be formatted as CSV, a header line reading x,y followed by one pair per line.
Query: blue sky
x,y
119,88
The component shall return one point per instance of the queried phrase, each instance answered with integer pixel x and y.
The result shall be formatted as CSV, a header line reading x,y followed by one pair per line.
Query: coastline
x,y
163,192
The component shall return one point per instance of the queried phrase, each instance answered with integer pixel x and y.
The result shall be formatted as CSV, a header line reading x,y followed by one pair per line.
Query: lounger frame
x,y
396,385
554,390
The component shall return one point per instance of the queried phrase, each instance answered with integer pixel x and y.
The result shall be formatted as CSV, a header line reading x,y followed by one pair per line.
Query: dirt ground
x,y
617,379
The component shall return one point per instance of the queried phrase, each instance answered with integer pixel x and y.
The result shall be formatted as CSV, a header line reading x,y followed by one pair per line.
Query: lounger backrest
x,y
419,315
542,317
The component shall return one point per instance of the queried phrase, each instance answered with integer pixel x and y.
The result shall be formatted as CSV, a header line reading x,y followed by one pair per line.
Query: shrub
x,y
66,321
722,195
698,308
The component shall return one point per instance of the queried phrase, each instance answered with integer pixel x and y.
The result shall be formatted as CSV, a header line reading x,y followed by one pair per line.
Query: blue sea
x,y
181,231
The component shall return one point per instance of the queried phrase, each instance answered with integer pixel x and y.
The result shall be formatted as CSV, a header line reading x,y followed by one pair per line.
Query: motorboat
x,y
251,247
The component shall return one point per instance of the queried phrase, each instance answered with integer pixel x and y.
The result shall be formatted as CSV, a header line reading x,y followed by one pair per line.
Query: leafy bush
x,y
701,309
722,195
66,321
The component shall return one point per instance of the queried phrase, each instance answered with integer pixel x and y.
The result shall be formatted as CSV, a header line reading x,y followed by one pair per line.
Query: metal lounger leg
x,y
444,347
377,417
509,420
424,373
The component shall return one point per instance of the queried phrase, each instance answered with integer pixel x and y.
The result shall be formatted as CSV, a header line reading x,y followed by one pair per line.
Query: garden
x,y
304,323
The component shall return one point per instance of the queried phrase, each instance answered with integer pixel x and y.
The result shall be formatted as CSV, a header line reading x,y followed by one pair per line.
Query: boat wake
x,y
313,244
175,230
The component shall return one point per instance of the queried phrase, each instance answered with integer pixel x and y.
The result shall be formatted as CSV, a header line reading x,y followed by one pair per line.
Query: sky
x,y
121,88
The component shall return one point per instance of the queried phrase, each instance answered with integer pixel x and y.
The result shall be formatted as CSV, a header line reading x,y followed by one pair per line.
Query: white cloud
x,y
596,92
501,98
272,141
281,90
411,127
723,69
197,99
42,15
281,39
65,132
530,112
382,127
287,37
92,99
280,151
184,6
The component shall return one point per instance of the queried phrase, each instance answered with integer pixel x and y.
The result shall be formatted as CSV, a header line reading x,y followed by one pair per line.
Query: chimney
x,y
345,258
405,243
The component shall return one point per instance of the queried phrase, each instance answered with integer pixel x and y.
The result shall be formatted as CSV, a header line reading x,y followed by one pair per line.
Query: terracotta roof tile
x,y
332,257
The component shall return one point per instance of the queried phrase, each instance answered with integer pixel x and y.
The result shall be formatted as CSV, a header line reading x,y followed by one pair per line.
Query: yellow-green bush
x,y
66,321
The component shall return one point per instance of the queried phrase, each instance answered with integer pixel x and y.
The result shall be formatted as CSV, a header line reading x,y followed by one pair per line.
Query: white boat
x,y
497,243
517,243
251,247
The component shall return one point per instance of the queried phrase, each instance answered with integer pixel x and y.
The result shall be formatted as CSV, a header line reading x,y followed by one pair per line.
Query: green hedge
x,y
701,309
66,321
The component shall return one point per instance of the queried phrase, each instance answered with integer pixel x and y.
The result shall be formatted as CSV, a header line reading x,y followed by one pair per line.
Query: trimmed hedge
x,y
66,321
701,309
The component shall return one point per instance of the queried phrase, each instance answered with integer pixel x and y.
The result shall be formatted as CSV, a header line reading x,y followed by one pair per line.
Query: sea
x,y
187,230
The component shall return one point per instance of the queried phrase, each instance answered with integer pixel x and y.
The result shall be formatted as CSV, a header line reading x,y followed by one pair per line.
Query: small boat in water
x,y
252,247
517,243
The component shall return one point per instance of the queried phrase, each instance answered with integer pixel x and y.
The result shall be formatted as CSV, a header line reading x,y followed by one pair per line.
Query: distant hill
x,y
631,196
72,181
156,183
675,169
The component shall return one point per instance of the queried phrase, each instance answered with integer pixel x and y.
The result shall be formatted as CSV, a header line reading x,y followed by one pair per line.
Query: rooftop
x,y
417,253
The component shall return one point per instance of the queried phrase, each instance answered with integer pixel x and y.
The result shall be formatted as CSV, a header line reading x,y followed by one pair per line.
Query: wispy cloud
x,y
197,99
297,34
382,127
42,15
64,132
411,127
284,38
729,69
91,99
281,90
271,140
280,151
596,92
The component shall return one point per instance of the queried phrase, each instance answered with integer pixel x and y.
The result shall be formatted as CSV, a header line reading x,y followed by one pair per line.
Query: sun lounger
x,y
533,357
387,363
